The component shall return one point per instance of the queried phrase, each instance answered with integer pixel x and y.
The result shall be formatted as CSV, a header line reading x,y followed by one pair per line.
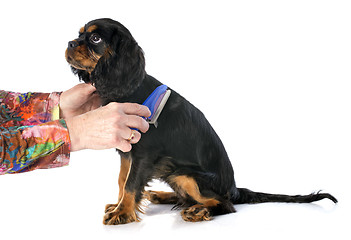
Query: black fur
x,y
184,142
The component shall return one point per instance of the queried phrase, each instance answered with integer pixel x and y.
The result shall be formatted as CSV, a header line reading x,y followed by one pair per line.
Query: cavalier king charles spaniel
x,y
183,151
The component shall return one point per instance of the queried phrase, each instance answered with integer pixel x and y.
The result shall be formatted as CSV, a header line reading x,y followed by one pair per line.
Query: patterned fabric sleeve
x,y
30,138
26,109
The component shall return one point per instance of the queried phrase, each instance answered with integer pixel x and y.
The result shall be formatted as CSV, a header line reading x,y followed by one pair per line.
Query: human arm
x,y
100,128
29,138
25,148
48,145
26,109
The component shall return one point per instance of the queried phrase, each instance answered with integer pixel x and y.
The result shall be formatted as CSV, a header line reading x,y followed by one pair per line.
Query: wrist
x,y
64,110
74,126
61,109
61,113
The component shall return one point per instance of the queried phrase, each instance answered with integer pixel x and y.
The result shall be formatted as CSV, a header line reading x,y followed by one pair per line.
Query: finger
x,y
88,88
125,146
136,109
83,92
136,137
121,142
137,122
126,133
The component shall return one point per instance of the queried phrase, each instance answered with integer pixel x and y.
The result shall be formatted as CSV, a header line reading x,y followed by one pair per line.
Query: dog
x,y
183,151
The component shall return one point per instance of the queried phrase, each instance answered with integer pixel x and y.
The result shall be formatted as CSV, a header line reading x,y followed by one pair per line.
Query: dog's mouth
x,y
82,58
74,63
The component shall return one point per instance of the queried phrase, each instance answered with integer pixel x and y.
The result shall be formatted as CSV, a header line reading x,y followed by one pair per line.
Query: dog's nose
x,y
72,44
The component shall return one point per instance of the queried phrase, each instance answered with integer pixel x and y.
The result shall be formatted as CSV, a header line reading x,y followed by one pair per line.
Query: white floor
x,y
68,203
272,77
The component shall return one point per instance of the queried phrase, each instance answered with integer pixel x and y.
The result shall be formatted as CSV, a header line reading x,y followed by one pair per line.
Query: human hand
x,y
108,127
78,100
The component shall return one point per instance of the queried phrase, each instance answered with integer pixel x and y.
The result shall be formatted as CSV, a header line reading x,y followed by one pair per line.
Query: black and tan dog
x,y
184,151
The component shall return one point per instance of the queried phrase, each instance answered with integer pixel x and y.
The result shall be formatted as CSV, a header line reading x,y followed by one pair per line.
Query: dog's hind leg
x,y
160,197
205,206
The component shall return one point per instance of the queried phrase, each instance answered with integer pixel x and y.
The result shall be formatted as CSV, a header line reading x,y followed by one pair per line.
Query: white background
x,y
273,78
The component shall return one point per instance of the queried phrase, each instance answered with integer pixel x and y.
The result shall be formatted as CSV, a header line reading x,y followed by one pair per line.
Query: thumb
x,y
87,88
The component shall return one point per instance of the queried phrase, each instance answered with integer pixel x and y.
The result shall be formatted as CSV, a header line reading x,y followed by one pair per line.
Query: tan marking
x,y
81,30
124,212
108,51
160,197
94,55
123,175
122,179
188,186
82,58
127,203
91,28
196,213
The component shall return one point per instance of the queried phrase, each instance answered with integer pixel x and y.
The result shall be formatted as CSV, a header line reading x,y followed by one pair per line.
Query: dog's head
x,y
105,54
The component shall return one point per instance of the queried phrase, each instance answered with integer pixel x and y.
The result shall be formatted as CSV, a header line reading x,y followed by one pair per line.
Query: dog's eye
x,y
95,39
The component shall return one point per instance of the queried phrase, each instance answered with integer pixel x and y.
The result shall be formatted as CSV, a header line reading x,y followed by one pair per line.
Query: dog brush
x,y
156,102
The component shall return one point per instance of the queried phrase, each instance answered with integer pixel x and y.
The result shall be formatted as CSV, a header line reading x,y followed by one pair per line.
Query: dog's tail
x,y
247,196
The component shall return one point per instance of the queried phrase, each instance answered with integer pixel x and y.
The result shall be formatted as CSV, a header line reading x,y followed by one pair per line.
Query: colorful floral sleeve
x,y
30,138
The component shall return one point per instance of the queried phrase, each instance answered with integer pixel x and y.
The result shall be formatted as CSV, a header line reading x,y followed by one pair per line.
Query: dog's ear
x,y
121,69
82,74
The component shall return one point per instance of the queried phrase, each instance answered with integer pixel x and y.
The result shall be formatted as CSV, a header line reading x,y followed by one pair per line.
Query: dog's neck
x,y
139,95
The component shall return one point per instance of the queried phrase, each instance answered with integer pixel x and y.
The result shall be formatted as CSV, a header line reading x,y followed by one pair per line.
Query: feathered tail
x,y
248,196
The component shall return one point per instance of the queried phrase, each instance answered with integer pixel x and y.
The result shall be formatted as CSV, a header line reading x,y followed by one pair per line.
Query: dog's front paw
x,y
110,207
196,213
116,215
